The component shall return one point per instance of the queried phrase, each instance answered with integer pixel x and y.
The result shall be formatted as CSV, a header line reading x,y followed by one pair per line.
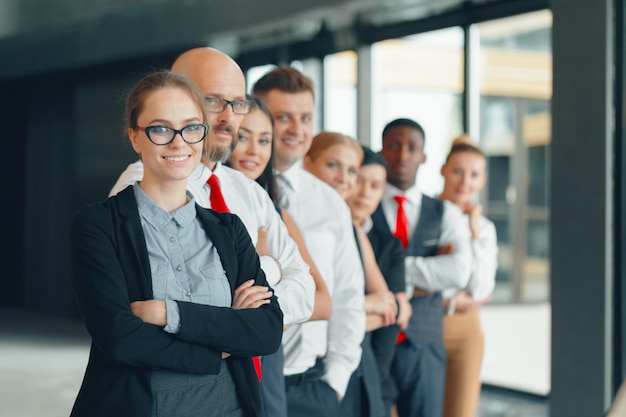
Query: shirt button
x,y
188,293
172,239
179,268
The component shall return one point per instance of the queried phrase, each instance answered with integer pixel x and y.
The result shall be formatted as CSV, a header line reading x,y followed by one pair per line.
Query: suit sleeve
x,y
393,270
245,332
384,339
101,285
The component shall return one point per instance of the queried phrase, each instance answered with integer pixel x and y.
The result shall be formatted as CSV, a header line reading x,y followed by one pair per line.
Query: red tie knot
x,y
213,181
400,198
216,197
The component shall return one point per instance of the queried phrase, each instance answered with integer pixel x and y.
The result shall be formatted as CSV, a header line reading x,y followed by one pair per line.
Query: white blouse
x,y
485,261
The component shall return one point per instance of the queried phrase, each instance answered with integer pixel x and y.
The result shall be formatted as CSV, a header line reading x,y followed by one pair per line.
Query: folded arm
x,y
101,285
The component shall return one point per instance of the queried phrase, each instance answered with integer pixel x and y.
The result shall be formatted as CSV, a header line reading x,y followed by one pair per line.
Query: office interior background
x,y
540,85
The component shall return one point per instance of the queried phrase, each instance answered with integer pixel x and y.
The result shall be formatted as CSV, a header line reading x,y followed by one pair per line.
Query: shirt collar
x,y
412,194
159,218
368,224
200,175
292,175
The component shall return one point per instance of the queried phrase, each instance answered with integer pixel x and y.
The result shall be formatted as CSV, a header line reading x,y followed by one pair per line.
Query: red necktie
x,y
402,233
217,199
218,204
402,222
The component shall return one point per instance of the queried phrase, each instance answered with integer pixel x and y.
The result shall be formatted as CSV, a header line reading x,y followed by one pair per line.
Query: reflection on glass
x,y
253,74
421,77
340,78
515,73
516,87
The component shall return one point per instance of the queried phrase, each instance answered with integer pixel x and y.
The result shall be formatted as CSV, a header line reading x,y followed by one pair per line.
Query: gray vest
x,y
426,323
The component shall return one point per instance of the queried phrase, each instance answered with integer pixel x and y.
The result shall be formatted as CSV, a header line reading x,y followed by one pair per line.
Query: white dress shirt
x,y
248,200
433,273
326,225
485,261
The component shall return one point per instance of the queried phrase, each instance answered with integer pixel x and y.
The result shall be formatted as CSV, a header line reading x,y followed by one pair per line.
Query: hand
x,y
446,249
248,295
150,311
383,304
261,244
465,303
474,213
405,311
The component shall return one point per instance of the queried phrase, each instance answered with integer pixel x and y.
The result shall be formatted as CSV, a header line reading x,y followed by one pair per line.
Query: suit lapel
x,y
380,221
131,225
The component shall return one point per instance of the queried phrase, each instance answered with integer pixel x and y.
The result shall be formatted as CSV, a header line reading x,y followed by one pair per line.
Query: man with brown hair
x,y
320,356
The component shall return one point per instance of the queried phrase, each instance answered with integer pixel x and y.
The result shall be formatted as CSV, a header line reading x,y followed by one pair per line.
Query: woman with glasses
x,y
172,294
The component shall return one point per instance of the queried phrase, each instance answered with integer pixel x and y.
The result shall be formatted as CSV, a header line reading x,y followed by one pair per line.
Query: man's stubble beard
x,y
218,152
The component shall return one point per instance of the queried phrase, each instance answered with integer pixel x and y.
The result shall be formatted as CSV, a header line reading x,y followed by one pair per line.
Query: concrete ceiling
x,y
39,36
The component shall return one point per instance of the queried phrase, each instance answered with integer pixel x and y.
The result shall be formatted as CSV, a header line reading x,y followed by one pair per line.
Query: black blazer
x,y
390,258
111,270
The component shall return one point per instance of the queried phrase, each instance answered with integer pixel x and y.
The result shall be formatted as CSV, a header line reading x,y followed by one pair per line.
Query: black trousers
x,y
308,395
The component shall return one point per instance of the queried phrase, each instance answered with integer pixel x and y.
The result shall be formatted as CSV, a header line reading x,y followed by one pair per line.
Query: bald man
x,y
217,76
222,83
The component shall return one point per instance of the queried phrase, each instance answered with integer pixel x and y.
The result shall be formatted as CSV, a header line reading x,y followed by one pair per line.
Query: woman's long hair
x,y
267,179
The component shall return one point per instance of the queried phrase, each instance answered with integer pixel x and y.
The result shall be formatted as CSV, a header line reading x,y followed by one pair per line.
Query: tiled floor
x,y
517,346
42,360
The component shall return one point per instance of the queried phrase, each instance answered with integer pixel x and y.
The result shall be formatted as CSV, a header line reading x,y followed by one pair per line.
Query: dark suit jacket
x,y
389,256
111,270
390,259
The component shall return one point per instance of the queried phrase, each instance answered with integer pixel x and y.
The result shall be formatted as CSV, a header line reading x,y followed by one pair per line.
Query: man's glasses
x,y
218,105
163,135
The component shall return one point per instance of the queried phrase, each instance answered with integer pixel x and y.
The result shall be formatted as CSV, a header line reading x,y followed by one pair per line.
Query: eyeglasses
x,y
163,135
218,105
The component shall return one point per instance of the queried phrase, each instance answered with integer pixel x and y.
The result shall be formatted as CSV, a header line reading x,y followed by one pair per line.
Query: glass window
x,y
515,87
515,74
421,77
255,73
340,78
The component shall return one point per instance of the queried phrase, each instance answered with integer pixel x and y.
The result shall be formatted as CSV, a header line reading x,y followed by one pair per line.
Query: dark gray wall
x,y
582,197
67,148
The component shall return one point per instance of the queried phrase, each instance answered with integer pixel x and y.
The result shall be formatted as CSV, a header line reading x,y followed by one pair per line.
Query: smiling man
x,y
437,256
320,356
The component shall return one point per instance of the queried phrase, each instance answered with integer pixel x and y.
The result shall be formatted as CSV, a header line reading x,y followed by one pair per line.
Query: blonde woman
x,y
465,174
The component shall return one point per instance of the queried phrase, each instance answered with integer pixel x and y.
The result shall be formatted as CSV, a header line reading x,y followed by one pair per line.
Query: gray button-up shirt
x,y
184,263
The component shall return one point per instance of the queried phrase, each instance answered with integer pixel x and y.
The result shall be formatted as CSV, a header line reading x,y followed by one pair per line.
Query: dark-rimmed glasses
x,y
218,105
163,135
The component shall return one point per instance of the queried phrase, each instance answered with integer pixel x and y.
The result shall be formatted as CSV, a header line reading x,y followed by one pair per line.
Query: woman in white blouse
x,y
465,175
